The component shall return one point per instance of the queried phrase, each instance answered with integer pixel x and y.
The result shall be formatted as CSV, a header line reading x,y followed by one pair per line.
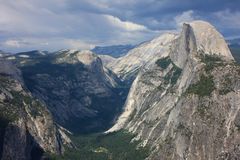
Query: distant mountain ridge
x,y
82,95
234,45
235,41
114,50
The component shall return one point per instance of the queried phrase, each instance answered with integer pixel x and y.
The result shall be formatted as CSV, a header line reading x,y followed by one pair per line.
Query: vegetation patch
x,y
173,75
160,88
9,108
164,62
114,146
34,106
211,61
176,74
184,130
203,111
14,102
226,86
7,116
203,87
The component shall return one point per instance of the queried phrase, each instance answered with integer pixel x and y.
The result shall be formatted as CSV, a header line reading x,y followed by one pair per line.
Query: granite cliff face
x,y
26,126
185,104
128,66
82,95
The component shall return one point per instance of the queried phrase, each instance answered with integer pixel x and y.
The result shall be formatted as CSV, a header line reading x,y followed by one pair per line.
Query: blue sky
x,y
82,24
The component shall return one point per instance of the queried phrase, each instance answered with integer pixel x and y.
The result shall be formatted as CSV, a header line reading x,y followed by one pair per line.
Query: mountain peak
x,y
199,37
86,57
209,40
175,105
195,38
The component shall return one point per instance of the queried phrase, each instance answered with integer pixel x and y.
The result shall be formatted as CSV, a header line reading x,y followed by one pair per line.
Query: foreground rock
x,y
26,126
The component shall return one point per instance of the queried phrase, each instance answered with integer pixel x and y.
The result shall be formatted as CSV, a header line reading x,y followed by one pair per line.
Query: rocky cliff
x,y
82,95
26,126
127,67
185,104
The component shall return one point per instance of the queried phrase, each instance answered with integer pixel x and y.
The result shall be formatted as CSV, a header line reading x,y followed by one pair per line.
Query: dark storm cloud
x,y
141,10
55,24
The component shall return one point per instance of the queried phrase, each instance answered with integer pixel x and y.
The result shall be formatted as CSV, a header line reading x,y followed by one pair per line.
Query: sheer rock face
x,y
107,60
184,46
199,36
127,67
186,106
26,126
209,40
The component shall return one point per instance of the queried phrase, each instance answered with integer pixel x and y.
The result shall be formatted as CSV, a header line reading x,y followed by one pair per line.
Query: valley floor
x,y
117,146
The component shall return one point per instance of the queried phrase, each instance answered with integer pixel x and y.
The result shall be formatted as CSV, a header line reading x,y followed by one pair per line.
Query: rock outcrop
x,y
127,67
107,60
27,129
185,105
210,40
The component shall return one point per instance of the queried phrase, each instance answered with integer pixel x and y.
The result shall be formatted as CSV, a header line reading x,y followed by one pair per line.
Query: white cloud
x,y
228,18
22,44
78,44
186,16
51,44
12,43
30,24
125,25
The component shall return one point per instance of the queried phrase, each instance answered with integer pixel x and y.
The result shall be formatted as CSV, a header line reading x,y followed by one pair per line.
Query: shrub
x,y
173,75
163,62
227,86
211,61
203,87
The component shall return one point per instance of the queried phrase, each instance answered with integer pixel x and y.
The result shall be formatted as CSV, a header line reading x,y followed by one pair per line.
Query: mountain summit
x,y
204,37
75,56
185,103
209,40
